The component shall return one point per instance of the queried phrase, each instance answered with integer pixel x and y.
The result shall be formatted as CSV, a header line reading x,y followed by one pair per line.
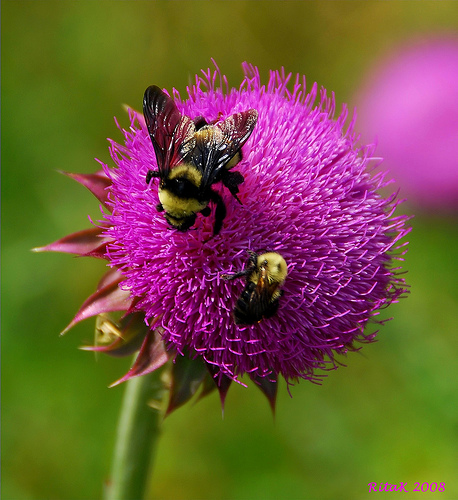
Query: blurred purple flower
x,y
309,193
410,103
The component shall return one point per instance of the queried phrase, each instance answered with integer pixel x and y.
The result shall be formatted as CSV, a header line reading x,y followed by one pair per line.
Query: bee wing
x,y
172,133
256,303
215,148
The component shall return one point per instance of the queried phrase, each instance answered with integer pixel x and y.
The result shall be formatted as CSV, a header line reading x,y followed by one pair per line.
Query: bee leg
x,y
159,207
239,274
253,256
150,175
250,268
232,180
220,212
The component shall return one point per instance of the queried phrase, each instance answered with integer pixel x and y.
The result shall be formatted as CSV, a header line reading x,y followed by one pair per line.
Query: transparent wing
x,y
172,133
217,144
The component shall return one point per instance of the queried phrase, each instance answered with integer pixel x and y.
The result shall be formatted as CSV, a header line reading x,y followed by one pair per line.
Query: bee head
x,y
275,265
181,223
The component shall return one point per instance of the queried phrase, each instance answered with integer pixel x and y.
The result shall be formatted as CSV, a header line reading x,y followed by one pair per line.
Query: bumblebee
x,y
192,156
265,274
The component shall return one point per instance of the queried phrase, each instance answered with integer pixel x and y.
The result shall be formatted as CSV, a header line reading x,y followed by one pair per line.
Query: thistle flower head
x,y
309,194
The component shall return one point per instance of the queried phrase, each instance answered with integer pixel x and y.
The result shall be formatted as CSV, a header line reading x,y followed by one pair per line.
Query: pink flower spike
x,y
118,348
84,243
107,299
97,184
152,356
111,276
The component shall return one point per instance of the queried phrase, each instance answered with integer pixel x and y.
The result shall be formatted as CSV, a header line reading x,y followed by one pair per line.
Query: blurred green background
x,y
67,67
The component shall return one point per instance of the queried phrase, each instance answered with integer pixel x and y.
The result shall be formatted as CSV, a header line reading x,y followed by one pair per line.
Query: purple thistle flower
x,y
410,103
310,194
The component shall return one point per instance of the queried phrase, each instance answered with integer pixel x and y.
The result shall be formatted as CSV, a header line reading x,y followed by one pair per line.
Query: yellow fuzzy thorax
x,y
186,171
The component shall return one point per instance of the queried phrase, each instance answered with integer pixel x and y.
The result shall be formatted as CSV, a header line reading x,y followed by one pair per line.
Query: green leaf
x,y
221,381
268,386
187,375
208,386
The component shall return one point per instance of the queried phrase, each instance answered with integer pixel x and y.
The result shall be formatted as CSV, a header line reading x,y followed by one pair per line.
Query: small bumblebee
x,y
192,156
265,274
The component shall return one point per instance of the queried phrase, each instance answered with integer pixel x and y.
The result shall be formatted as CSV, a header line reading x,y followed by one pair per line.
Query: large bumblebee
x,y
265,274
192,156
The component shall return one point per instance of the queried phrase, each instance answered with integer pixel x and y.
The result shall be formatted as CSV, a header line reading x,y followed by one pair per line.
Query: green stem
x,y
137,436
